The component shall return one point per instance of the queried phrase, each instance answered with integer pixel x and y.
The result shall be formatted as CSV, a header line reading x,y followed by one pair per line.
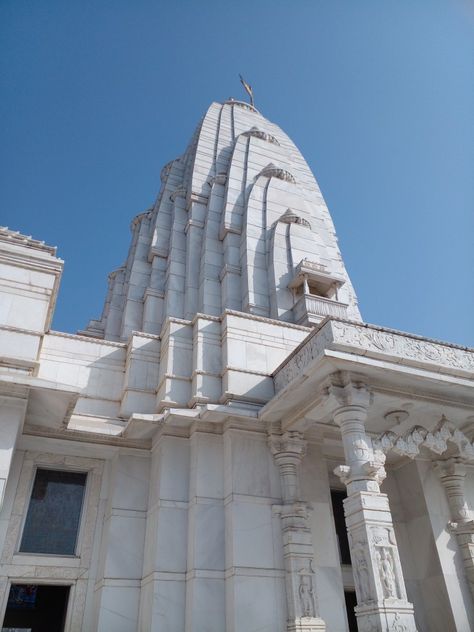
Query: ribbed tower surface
x,y
239,224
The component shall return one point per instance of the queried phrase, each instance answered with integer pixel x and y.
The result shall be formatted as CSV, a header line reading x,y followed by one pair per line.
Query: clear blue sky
x,y
97,95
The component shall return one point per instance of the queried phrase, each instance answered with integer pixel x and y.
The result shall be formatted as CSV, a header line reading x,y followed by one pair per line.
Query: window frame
x,y
42,582
51,467
20,497
21,568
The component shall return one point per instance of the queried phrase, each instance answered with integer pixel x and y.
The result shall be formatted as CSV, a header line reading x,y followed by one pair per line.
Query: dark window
x,y
351,603
36,607
52,521
337,498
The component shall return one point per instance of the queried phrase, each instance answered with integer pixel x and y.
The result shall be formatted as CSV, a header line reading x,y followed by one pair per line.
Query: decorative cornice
x,y
265,319
198,198
229,269
194,223
290,217
85,338
153,293
373,341
15,237
220,178
178,193
140,217
242,104
272,171
257,133
229,228
166,169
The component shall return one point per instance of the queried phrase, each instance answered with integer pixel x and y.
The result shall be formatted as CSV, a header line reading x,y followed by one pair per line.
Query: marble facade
x,y
229,385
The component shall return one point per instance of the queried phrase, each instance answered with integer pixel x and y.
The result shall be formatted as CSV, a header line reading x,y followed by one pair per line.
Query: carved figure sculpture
x,y
305,591
362,574
387,573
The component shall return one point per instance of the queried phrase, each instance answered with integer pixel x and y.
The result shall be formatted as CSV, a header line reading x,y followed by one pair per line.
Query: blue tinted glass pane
x,y
52,521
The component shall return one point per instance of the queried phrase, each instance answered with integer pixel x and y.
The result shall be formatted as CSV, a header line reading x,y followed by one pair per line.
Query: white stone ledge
x,y
249,571
169,576
89,339
203,573
117,583
377,342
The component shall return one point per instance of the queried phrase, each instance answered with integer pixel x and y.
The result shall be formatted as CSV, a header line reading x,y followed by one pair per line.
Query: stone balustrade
x,y
312,309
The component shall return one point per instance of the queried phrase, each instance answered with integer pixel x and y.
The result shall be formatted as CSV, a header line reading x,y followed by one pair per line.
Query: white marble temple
x,y
228,377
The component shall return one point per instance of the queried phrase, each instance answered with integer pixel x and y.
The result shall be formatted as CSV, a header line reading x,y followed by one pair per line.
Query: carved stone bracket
x,y
436,441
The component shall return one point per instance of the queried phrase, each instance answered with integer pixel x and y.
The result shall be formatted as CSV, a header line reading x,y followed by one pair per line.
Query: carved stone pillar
x,y
382,604
288,450
452,474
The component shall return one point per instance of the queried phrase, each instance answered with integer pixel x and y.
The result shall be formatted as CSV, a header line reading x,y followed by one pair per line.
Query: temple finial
x,y
247,88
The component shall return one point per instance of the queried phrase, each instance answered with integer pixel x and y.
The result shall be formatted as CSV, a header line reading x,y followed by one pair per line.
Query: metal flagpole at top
x,y
248,89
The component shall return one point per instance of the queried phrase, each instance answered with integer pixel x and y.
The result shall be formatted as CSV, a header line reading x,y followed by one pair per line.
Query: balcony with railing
x,y
315,290
310,309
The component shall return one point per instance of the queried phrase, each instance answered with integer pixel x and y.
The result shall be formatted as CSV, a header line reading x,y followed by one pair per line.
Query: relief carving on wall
x,y
386,568
403,345
369,338
311,350
306,591
362,575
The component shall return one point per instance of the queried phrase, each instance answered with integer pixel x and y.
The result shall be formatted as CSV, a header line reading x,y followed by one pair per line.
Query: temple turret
x,y
239,223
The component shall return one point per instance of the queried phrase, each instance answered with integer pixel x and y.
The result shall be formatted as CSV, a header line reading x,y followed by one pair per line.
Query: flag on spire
x,y
247,88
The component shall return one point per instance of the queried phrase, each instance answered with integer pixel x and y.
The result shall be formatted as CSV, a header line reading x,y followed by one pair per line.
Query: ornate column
x,y
382,604
288,450
452,474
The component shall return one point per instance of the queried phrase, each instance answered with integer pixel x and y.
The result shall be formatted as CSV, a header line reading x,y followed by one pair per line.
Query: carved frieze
x,y
312,349
338,333
401,345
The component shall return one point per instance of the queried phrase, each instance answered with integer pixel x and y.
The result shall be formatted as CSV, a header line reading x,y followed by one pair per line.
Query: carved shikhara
x,y
65,570
375,342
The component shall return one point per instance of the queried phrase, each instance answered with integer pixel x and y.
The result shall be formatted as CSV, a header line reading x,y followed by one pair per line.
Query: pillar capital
x,y
288,450
452,474
348,397
450,468
289,446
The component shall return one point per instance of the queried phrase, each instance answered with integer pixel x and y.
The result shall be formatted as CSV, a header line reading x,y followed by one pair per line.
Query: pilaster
x,y
452,474
288,450
382,604
12,418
